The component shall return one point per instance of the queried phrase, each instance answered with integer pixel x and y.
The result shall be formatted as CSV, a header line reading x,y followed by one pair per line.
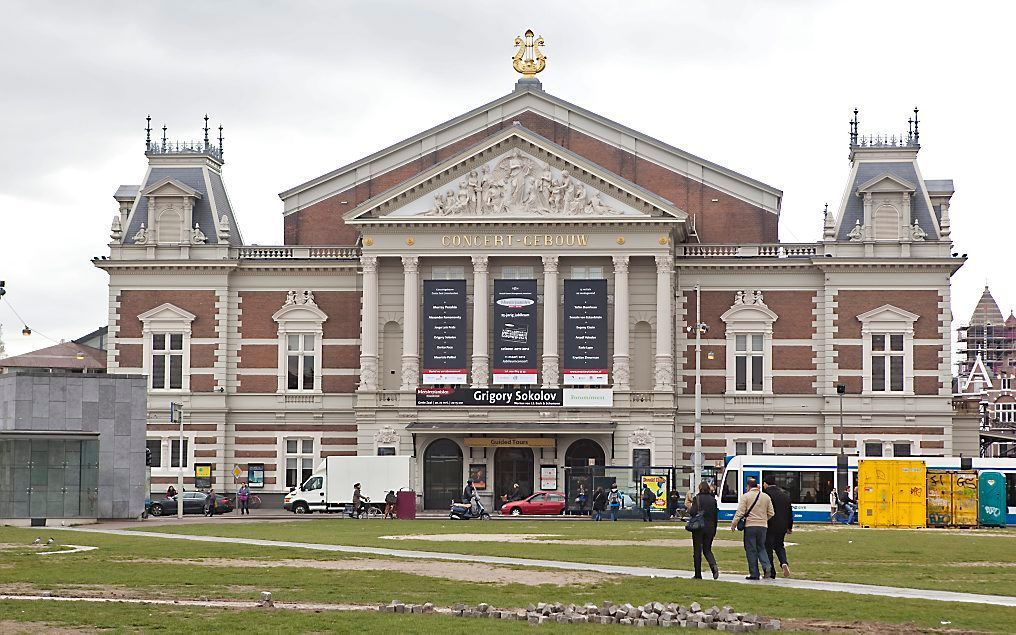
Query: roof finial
x,y
529,59
206,131
163,137
221,151
853,129
148,132
917,134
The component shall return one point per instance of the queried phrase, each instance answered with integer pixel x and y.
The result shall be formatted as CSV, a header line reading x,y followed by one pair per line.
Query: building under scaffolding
x,y
989,335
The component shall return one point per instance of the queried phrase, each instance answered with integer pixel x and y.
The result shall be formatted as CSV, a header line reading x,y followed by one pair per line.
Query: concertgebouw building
x,y
515,290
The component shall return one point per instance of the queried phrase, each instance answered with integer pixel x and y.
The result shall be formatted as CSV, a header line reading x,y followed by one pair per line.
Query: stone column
x,y
481,362
368,326
410,322
664,372
551,296
622,371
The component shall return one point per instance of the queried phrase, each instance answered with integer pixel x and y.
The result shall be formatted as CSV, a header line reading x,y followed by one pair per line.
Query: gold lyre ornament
x,y
529,59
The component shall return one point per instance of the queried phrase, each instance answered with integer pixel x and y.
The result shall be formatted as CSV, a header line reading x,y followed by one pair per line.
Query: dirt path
x,y
474,572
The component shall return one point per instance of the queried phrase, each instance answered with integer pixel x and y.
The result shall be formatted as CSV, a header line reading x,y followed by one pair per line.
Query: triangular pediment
x,y
888,313
886,182
170,187
515,175
167,313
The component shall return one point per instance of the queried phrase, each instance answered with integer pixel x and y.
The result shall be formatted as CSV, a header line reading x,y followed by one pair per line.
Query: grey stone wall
x,y
114,406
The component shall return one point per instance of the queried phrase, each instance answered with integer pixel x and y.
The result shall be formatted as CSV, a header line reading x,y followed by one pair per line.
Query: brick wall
x,y
727,220
134,303
850,304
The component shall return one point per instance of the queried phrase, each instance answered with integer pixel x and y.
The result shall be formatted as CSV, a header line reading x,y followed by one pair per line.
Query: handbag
x,y
696,523
740,523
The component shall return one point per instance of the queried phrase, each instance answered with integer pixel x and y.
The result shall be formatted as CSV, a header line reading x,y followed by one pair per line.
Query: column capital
x,y
664,263
479,264
369,264
550,264
620,264
410,264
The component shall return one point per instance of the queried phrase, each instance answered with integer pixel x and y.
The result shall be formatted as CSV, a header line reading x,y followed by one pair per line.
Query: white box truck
x,y
330,487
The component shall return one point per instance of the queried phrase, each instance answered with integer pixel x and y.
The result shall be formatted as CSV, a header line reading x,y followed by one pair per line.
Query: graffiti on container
x,y
994,511
966,482
915,491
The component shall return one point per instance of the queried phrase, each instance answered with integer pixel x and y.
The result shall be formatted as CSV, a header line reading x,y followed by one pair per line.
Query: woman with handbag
x,y
702,526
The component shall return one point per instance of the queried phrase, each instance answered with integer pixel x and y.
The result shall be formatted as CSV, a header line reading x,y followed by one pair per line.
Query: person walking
x,y
704,503
615,500
242,497
390,505
781,524
599,503
210,503
833,503
357,500
171,492
755,508
648,498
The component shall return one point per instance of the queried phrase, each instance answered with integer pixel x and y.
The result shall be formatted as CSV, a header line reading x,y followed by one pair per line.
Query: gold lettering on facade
x,y
510,240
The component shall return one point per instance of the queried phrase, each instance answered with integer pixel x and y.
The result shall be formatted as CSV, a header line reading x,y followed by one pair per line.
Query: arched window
x,y
583,453
886,223
170,227
442,474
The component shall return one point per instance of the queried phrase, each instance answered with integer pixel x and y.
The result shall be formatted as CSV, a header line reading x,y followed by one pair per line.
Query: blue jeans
x,y
613,513
755,551
597,514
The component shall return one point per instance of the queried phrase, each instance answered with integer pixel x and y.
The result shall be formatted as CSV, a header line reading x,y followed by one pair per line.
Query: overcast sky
x,y
764,88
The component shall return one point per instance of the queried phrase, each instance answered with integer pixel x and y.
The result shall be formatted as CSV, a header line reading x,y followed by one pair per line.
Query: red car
x,y
546,503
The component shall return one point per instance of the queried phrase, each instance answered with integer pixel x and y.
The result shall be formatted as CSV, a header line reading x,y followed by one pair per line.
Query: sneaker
x,y
716,573
786,570
748,577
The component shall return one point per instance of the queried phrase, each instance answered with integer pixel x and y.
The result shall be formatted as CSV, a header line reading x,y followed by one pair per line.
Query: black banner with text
x,y
444,332
585,332
514,332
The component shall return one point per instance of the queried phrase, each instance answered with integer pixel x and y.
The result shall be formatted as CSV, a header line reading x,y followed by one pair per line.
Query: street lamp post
x,y
841,460
700,328
840,390
176,416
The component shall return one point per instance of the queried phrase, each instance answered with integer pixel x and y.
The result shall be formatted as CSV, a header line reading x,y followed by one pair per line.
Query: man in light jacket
x,y
756,508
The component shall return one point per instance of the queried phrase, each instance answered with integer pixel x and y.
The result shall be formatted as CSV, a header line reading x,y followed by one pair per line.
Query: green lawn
x,y
971,561
114,570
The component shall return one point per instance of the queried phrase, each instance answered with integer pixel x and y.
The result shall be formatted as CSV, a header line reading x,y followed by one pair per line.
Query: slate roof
x,y
126,192
867,170
193,176
940,186
63,356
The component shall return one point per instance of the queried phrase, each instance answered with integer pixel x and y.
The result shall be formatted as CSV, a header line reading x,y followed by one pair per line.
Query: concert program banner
x,y
585,333
444,332
514,332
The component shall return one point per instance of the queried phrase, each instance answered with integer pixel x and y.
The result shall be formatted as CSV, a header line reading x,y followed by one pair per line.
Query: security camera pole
x,y
176,416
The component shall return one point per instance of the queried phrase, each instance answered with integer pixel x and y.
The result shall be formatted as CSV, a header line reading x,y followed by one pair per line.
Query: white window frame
x,y
301,354
1005,382
1005,412
864,447
301,318
887,352
749,446
447,272
188,453
748,320
300,455
167,319
909,444
517,272
588,272
887,320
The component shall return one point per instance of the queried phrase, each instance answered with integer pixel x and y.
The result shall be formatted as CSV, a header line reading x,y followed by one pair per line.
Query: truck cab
x,y
309,497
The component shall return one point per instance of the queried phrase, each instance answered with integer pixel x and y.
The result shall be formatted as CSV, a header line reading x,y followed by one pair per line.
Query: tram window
x,y
730,488
804,487
1010,490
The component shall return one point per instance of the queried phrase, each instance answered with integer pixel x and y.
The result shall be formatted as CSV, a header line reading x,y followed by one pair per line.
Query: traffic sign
x,y
237,471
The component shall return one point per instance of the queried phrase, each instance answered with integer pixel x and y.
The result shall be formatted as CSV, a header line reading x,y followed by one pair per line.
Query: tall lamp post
x,y
699,329
176,416
841,459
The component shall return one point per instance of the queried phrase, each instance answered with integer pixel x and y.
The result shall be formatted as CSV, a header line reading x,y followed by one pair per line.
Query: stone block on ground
x,y
428,607
772,625
658,607
626,621
695,607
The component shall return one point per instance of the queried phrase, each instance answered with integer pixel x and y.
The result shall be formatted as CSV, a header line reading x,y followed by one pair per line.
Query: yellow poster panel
x,y
659,486
202,470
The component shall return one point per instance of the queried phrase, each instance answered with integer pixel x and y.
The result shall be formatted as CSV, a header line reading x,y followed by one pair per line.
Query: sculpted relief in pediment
x,y
519,185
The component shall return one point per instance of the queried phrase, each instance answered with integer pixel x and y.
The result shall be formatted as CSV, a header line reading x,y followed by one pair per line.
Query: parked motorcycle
x,y
466,511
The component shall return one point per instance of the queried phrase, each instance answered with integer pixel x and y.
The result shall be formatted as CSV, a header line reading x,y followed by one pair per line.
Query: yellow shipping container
x,y
892,493
964,499
952,498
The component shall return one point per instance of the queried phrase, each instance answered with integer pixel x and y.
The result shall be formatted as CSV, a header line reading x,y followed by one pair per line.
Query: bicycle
x,y
366,510
845,515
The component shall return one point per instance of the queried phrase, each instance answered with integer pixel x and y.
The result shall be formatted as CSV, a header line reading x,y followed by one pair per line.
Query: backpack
x,y
614,497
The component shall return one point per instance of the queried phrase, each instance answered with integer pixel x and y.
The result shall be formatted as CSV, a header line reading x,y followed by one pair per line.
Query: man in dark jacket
x,y
648,498
781,524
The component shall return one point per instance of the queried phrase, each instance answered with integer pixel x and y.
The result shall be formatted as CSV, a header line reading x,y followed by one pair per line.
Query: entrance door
x,y
442,474
512,465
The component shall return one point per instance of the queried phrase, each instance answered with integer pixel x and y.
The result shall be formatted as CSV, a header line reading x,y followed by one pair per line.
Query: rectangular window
x,y
748,358
872,448
640,460
447,272
300,362
155,447
1005,412
587,272
731,488
804,487
174,453
517,272
167,361
1005,382
746,447
386,451
1010,490
901,448
299,461
887,363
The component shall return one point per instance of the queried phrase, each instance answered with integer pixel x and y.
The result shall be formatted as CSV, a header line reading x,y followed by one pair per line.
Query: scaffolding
x,y
989,335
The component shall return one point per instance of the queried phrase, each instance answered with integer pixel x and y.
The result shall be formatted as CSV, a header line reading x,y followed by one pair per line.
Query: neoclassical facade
x,y
513,292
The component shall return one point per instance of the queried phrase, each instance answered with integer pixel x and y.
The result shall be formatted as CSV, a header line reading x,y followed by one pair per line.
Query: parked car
x,y
193,503
543,503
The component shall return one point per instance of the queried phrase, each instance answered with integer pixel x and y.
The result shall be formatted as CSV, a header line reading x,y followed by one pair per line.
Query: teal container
x,y
991,508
